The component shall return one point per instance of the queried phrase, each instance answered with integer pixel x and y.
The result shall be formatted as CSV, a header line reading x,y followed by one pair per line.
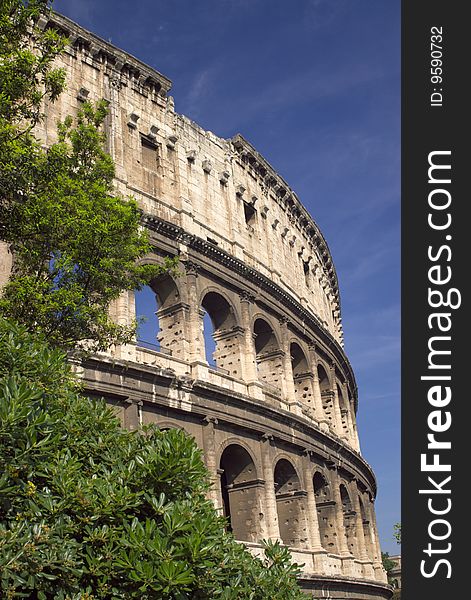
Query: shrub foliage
x,y
89,510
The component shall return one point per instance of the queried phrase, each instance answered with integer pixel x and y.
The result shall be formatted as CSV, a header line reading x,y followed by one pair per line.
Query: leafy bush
x,y
89,510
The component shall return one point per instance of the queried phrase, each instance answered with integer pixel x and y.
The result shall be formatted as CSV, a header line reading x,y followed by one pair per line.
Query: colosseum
x,y
274,404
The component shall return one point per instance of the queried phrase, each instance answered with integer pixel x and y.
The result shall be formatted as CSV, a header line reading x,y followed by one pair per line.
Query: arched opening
x,y
146,305
164,326
348,519
160,316
325,513
290,505
241,493
269,356
222,337
327,395
209,341
302,378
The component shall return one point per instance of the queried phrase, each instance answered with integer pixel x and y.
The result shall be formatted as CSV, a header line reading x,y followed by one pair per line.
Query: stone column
x,y
345,554
209,447
355,438
272,530
380,573
288,378
249,365
339,519
360,533
123,312
312,517
336,407
318,407
363,553
131,414
196,341
173,331
115,138
348,416
229,353
248,357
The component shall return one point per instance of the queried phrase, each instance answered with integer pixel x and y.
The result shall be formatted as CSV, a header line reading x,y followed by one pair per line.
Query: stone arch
x,y
327,394
223,336
160,304
348,519
241,492
237,441
325,512
290,505
166,425
302,376
220,291
268,353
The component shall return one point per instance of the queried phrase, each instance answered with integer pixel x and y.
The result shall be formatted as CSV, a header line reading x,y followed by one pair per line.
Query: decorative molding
x,y
289,202
104,56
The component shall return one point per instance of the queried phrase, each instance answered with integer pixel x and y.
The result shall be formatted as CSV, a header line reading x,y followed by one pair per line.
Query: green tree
x,y
75,241
27,74
388,564
88,510
397,532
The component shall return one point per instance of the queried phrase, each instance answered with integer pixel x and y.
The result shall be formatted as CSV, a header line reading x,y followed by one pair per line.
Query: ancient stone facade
x,y
275,408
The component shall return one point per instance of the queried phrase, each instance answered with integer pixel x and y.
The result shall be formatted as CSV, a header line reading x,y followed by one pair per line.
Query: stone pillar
x,y
380,573
115,138
360,530
196,341
312,517
316,389
248,356
348,416
249,364
339,519
304,390
355,438
342,544
360,533
131,414
173,334
209,447
337,413
229,353
123,312
271,529
288,378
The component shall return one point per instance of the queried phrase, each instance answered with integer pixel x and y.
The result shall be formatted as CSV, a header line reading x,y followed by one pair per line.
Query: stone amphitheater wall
x,y
274,408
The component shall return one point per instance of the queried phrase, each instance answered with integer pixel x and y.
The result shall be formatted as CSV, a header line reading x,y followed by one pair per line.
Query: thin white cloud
x,y
307,86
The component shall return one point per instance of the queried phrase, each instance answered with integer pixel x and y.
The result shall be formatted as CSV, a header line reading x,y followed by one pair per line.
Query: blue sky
x,y
314,85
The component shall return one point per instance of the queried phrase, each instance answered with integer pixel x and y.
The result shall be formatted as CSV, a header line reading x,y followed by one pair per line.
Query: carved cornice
x,y
291,205
178,234
123,68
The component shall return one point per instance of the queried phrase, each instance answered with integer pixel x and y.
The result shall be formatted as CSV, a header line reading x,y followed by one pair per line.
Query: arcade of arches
x,y
304,505
199,322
